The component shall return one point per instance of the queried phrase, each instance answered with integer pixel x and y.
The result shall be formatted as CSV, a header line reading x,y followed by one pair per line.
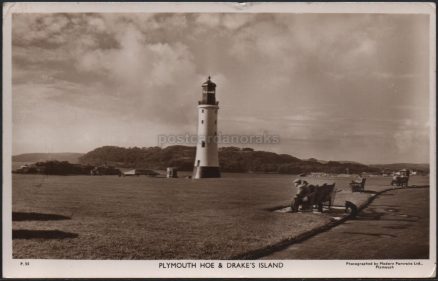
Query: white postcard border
x,y
39,268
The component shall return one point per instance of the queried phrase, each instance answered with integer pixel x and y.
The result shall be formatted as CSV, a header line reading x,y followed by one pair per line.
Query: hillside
x,y
41,157
232,159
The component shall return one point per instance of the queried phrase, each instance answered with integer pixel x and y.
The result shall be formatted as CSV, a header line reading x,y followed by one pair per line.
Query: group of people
x,y
401,178
308,195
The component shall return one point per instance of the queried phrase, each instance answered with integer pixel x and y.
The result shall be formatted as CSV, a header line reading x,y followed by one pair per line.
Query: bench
x,y
317,196
358,186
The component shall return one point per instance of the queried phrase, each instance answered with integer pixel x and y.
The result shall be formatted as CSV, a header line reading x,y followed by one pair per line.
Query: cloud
x,y
228,21
149,77
327,84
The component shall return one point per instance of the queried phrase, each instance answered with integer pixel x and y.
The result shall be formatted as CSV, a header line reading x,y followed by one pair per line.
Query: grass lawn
x,y
112,217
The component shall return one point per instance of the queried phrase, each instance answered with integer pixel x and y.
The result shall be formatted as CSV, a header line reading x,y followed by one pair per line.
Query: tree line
x,y
232,159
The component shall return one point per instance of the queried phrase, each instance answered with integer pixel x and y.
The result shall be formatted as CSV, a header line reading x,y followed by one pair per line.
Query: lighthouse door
x,y
199,162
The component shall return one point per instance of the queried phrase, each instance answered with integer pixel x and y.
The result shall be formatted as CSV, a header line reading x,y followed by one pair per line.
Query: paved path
x,y
394,226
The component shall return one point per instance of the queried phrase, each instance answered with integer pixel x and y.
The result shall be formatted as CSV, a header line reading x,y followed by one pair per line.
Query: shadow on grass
x,y
21,216
372,234
368,191
41,234
418,186
369,215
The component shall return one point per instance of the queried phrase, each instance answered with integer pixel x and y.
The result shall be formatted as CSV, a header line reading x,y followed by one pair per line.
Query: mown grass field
x,y
112,217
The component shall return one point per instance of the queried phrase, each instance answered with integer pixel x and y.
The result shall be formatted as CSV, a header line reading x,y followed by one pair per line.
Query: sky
x,y
330,86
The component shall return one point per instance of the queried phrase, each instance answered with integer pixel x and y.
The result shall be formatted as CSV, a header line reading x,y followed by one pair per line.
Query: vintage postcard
x,y
219,140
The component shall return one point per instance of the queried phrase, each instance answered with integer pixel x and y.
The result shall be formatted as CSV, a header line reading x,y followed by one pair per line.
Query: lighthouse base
x,y
206,172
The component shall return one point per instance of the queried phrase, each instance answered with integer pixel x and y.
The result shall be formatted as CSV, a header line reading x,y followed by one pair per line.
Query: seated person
x,y
304,194
358,180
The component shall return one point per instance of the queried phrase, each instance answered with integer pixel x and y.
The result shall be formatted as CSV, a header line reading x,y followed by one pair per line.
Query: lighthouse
x,y
207,160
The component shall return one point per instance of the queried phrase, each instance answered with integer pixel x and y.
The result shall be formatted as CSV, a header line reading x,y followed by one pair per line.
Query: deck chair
x,y
358,186
325,194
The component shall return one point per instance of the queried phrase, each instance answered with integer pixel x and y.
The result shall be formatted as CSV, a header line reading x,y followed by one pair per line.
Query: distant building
x,y
172,172
138,172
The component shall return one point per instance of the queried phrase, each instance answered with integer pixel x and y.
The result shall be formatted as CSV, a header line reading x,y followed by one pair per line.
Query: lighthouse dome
x,y
209,84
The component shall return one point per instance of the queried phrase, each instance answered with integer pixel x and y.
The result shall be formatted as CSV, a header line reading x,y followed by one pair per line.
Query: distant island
x,y
232,159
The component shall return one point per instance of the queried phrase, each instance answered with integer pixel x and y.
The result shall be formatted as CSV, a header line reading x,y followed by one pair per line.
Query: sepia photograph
x,y
219,140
